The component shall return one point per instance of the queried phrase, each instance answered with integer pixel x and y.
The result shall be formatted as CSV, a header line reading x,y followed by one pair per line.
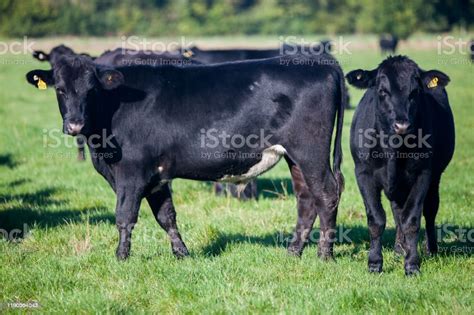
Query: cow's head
x,y
398,84
76,79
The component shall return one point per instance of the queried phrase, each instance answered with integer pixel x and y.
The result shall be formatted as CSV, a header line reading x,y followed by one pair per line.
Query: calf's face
x,y
75,80
399,85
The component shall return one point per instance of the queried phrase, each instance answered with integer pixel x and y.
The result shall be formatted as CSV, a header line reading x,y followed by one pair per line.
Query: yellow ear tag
x,y
42,85
433,83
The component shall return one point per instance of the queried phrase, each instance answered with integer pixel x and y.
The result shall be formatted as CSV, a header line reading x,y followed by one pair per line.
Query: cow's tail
x,y
337,150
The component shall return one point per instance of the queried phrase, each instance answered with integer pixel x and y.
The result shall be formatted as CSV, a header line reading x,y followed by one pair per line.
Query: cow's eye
x,y
61,92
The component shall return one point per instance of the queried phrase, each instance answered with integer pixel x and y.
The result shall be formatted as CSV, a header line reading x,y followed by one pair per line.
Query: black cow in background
x,y
388,43
155,116
402,139
56,53
130,57
209,56
471,50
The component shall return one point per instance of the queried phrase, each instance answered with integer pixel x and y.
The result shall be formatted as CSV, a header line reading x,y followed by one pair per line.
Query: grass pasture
x,y
238,260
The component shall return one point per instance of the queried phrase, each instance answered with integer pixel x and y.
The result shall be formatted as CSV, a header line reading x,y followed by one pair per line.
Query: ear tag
x,y
433,83
40,84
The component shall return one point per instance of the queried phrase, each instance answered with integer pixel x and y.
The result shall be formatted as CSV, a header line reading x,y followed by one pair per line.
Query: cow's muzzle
x,y
401,127
74,128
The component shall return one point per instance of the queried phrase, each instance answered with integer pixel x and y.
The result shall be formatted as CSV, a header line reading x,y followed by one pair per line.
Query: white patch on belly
x,y
270,157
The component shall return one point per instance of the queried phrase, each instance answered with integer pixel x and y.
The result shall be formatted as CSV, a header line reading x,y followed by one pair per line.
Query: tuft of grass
x,y
62,211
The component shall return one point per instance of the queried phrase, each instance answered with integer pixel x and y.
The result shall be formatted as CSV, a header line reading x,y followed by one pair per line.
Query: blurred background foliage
x,y
228,17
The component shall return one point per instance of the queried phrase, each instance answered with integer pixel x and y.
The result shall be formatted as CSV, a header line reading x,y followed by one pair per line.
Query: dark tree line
x,y
225,17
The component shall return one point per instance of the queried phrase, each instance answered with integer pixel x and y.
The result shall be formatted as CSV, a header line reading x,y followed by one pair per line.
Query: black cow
x,y
130,57
402,139
155,121
227,55
209,56
471,49
388,43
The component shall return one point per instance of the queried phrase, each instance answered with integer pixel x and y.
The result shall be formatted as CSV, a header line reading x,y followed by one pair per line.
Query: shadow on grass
x,y
7,160
356,236
25,210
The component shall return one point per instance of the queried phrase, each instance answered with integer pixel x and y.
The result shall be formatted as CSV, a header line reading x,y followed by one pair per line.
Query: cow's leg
x,y
376,218
430,209
322,184
162,206
399,239
410,222
126,214
306,210
81,152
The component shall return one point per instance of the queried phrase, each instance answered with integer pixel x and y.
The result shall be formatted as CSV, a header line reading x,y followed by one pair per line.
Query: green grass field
x,y
238,260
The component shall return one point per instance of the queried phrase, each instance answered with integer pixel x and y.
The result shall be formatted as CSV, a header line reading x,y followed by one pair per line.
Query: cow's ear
x,y
110,79
433,79
362,79
40,78
40,55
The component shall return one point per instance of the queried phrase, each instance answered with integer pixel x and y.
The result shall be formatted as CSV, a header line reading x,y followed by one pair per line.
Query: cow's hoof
x,y
295,251
411,271
431,250
122,254
326,255
180,252
375,268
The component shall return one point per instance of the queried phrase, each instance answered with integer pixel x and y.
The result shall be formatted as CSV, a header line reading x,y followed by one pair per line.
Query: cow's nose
x,y
401,127
74,128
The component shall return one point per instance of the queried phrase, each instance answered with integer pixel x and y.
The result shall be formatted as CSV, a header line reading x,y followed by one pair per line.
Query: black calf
x,y
402,139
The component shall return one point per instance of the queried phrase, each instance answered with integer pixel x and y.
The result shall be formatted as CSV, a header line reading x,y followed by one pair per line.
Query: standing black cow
x,y
212,56
402,139
154,119
388,43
